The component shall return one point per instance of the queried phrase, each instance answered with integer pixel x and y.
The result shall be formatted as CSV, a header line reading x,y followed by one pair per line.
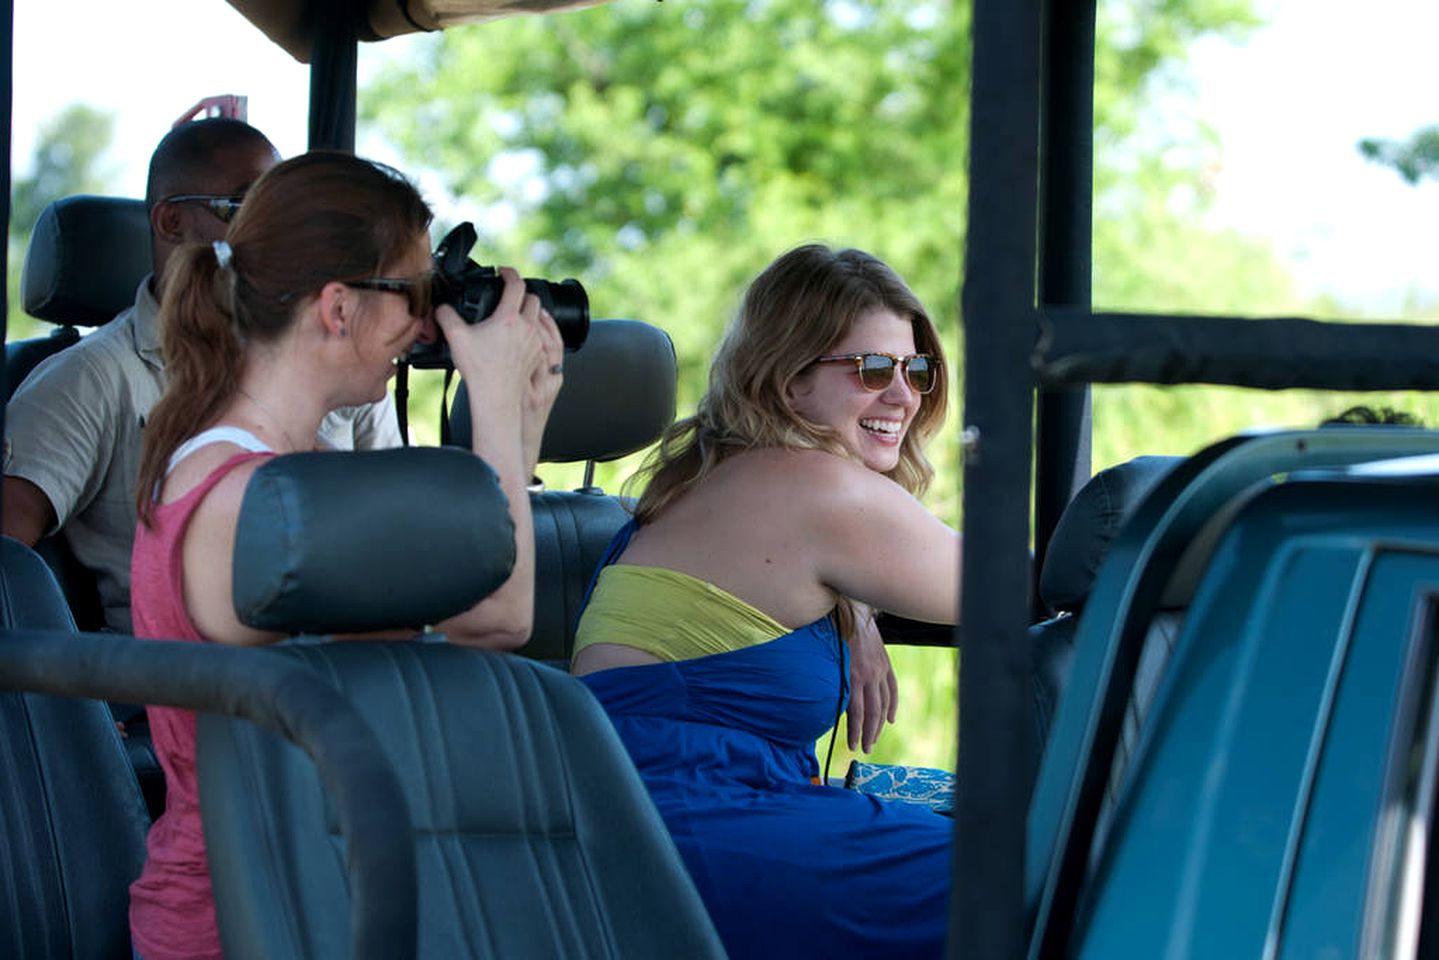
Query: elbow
x,y
505,630
502,621
510,638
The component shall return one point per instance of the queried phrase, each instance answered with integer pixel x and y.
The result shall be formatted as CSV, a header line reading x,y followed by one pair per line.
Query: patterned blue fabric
x,y
928,786
787,868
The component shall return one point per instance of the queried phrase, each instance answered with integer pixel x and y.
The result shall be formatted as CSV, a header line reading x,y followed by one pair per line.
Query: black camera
x,y
474,290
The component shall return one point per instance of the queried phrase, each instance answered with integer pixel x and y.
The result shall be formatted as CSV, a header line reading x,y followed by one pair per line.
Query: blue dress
x,y
787,868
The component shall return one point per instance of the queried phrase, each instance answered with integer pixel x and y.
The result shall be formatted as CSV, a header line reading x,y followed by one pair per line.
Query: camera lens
x,y
568,303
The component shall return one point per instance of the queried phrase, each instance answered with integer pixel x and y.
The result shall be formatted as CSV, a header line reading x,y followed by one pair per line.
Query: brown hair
x,y
318,217
797,309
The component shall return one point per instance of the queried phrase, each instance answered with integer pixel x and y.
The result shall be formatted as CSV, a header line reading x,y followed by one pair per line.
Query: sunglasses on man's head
x,y
876,370
223,208
415,289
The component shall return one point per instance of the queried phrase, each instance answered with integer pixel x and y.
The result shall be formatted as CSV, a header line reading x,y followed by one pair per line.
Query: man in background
x,y
74,427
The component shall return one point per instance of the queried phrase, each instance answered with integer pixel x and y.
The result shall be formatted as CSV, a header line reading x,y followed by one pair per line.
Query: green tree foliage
x,y
665,153
1413,159
71,156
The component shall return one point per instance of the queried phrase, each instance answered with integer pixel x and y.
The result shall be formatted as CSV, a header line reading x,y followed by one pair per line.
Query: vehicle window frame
x,y
1402,847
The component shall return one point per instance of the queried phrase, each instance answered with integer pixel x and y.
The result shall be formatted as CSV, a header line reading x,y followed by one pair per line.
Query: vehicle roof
x,y
290,23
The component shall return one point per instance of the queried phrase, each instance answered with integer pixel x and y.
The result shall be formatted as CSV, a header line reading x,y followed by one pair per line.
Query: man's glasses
x,y
223,208
876,370
415,289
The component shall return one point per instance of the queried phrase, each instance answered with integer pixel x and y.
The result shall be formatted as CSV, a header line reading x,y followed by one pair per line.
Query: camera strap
x,y
444,412
402,403
402,400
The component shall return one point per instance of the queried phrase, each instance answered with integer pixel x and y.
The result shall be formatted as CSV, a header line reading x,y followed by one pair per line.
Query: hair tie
x,y
224,256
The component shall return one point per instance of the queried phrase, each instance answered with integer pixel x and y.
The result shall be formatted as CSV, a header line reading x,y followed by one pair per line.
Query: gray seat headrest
x,y
86,258
353,541
618,395
1088,526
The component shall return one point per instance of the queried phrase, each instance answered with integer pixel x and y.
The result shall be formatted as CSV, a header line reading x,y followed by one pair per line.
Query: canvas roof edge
x,y
288,22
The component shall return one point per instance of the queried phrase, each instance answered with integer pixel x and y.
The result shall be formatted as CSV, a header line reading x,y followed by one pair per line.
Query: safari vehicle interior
x,y
354,808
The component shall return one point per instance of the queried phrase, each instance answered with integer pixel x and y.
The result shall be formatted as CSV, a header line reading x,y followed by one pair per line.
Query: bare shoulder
x,y
197,467
813,471
799,492
209,541
816,480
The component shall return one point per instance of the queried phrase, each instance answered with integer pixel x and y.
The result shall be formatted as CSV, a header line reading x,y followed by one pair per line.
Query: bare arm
x,y
506,362
209,547
879,545
209,550
26,511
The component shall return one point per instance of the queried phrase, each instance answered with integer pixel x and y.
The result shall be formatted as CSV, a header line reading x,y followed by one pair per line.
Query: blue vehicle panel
x,y
1248,821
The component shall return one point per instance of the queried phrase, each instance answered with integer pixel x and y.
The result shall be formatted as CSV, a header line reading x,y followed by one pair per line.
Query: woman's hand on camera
x,y
497,356
545,381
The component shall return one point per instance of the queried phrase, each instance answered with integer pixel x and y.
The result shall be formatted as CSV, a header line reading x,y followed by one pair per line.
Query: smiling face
x,y
872,424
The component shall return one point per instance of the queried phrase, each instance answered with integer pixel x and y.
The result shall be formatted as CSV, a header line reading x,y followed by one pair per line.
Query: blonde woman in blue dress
x,y
720,629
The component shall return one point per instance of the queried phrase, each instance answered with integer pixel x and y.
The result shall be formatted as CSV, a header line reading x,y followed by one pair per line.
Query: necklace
x,y
294,447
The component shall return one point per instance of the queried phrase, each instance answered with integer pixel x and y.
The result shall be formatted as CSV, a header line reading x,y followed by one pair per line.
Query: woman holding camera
x,y
322,281
719,631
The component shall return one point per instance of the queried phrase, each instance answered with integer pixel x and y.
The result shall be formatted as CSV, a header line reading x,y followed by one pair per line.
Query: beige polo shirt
x,y
74,427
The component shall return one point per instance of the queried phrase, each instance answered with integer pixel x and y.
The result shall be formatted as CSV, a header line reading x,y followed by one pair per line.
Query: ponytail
x,y
202,356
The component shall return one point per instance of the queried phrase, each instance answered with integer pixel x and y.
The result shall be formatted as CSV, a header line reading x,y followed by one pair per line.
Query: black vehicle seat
x,y
534,836
87,255
618,397
74,826
1078,546
86,258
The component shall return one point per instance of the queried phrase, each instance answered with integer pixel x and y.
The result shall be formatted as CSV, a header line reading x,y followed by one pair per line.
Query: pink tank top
x,y
172,907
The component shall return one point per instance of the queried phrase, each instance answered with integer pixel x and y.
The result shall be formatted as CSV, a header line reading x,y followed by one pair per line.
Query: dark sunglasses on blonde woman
x,y
876,370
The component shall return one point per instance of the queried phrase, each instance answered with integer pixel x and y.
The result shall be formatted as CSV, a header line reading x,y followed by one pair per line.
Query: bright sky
x,y
1292,104
1289,107
204,49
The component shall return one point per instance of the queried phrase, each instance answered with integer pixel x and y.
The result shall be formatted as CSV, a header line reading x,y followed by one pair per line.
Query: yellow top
x,y
670,615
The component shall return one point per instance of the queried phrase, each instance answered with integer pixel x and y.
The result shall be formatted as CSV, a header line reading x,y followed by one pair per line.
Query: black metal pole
x,y
334,59
996,729
1276,353
7,89
1066,252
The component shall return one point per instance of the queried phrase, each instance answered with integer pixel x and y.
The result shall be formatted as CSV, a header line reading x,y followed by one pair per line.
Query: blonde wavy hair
x,y
796,310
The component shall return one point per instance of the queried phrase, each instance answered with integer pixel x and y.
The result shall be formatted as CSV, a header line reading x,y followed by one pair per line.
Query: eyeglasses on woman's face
x,y
222,208
416,290
876,370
